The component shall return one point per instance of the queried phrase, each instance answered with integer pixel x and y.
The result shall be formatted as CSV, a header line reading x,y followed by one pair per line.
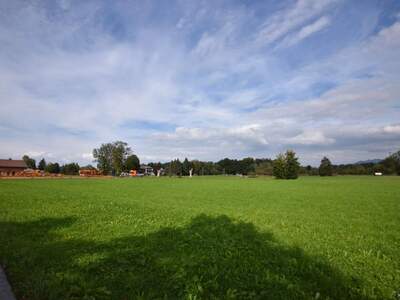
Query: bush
x,y
325,168
286,166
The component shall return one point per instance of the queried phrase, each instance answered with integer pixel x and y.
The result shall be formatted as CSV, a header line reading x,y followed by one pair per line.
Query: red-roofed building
x,y
10,167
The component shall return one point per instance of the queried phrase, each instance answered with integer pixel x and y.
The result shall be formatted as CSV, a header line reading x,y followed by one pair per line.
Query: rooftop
x,y
11,163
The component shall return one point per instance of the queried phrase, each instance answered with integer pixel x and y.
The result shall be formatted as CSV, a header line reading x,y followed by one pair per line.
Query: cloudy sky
x,y
200,79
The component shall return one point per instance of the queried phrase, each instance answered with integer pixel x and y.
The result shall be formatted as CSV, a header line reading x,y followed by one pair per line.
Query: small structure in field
x,y
89,172
146,170
378,174
11,167
31,173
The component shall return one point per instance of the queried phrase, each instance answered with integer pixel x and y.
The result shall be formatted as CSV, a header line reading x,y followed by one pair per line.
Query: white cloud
x,y
290,19
305,32
311,137
392,129
221,92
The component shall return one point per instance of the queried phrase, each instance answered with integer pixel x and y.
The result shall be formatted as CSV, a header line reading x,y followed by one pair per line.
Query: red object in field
x,y
89,172
132,173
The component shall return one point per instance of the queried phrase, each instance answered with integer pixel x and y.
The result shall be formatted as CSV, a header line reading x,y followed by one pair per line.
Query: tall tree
x,y
111,157
103,157
279,167
53,168
42,164
286,166
30,162
119,155
292,165
70,169
325,168
186,166
132,163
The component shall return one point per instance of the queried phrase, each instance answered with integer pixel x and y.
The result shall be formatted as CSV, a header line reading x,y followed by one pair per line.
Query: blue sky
x,y
200,79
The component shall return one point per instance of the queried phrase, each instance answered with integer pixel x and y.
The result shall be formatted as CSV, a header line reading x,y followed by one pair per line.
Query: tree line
x,y
284,166
54,168
117,157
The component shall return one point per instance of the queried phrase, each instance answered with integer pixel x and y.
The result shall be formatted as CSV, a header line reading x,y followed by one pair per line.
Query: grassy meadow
x,y
202,238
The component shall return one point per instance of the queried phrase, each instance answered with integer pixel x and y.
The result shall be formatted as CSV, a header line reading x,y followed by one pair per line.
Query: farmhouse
x,y
10,167
146,170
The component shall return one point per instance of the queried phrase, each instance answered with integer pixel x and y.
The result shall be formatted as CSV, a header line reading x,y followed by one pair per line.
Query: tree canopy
x,y
30,162
42,164
325,168
286,166
111,158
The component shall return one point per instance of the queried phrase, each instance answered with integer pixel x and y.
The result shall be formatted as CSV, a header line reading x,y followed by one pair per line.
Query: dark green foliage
x,y
225,166
264,168
70,169
42,164
174,168
292,165
186,166
391,163
132,163
53,168
325,168
157,166
30,162
279,167
234,166
119,155
286,166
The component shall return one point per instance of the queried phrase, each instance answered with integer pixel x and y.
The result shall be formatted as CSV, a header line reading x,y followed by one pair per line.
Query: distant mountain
x,y
369,161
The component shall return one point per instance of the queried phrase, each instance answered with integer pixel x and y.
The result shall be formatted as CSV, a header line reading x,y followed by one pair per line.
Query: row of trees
x,y
117,157
389,166
283,166
54,168
226,166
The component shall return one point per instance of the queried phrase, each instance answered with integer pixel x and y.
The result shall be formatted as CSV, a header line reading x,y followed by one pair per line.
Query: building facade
x,y
11,167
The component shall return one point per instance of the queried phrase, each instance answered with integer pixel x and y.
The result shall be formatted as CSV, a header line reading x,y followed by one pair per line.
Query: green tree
x,y
292,165
132,163
325,168
103,157
111,157
186,166
264,168
119,155
286,166
53,168
30,162
42,164
70,169
392,163
279,167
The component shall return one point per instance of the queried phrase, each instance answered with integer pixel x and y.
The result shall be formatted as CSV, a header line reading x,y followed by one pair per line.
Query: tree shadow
x,y
210,258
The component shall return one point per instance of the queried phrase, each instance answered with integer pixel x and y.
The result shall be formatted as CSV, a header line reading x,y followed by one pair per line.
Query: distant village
x,y
19,168
117,159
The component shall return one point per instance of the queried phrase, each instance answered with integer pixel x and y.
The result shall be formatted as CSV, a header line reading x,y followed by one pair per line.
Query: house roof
x,y
11,163
145,166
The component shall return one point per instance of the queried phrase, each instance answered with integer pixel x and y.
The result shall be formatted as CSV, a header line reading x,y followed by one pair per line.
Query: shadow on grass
x,y
210,258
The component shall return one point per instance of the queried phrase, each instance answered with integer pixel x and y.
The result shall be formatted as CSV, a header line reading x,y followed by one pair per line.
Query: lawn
x,y
202,238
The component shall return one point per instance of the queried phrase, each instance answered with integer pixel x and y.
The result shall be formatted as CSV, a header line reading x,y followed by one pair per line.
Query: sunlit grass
x,y
202,238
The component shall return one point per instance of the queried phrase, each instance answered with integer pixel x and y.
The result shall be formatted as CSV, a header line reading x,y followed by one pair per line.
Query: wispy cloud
x,y
305,32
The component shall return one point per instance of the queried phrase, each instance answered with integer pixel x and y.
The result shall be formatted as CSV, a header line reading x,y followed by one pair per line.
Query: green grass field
x,y
202,238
